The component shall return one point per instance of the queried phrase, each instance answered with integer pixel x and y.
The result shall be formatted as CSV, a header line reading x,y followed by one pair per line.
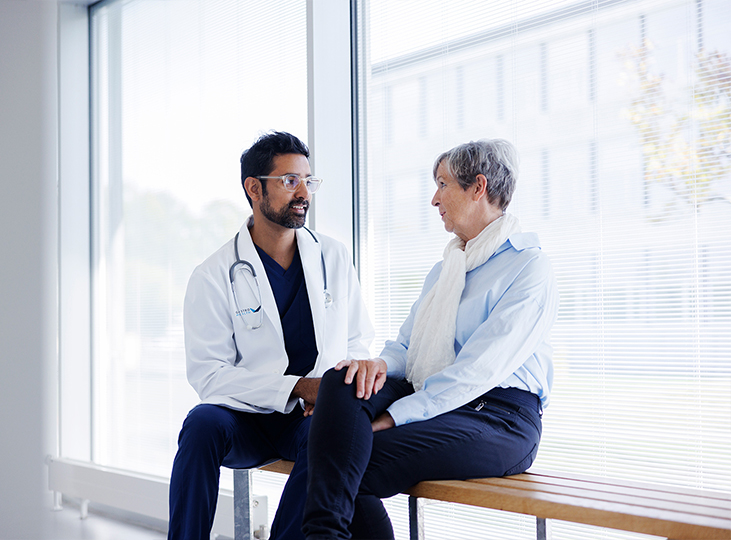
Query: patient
x,y
460,392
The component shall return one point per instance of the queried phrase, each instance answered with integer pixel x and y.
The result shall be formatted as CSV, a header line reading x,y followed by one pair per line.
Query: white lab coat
x,y
230,365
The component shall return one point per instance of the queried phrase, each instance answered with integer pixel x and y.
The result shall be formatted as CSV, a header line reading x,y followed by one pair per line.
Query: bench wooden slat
x,y
532,481
648,497
724,498
677,513
656,521
555,506
280,466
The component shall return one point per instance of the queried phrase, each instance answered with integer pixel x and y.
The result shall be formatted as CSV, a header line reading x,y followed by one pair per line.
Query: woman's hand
x,y
385,421
369,375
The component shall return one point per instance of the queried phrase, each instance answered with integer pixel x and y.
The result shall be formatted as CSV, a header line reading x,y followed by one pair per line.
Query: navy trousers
x,y
213,436
351,468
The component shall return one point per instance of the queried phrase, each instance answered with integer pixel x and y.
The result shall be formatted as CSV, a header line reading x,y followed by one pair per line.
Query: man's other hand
x,y
306,388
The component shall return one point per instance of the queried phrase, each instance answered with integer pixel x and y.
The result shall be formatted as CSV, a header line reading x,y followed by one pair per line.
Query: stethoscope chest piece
x,y
328,298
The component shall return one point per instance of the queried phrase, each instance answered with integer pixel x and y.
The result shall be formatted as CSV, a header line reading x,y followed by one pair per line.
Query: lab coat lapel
x,y
312,267
247,252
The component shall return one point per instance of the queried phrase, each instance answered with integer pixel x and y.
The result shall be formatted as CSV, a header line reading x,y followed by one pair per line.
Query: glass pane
x,y
180,89
619,111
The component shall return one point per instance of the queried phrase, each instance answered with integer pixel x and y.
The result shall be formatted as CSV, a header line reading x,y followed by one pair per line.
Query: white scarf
x,y
431,348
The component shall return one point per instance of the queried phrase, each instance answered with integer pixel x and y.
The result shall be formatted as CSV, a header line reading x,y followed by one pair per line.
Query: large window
x,y
180,88
621,114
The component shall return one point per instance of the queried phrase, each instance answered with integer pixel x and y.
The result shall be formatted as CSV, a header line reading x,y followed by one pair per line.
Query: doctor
x,y
265,316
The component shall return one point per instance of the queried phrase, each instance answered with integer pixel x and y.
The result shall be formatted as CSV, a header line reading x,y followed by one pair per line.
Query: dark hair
x,y
495,158
258,160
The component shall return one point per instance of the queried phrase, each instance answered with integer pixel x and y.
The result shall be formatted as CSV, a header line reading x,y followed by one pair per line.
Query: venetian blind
x,y
620,111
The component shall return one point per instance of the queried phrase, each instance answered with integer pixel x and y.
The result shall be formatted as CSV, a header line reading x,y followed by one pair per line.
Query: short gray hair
x,y
497,159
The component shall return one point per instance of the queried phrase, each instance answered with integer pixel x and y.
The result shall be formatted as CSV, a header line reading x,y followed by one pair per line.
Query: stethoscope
x,y
248,266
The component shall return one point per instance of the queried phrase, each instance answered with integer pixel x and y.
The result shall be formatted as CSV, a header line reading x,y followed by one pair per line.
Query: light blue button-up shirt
x,y
505,315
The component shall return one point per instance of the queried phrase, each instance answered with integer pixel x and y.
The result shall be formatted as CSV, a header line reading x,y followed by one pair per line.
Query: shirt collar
x,y
520,241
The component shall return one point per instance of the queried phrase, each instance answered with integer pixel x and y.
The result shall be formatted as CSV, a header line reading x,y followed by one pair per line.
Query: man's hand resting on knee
x,y
369,375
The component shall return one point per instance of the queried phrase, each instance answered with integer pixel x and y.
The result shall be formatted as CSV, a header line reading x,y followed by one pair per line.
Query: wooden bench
x,y
670,512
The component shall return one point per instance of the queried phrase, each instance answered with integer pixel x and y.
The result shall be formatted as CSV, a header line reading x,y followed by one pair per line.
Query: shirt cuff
x,y
395,366
411,408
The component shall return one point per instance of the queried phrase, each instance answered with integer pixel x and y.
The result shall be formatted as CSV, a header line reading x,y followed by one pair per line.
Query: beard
x,y
285,216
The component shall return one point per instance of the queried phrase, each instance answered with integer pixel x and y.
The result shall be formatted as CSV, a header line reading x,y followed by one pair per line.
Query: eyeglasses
x,y
292,181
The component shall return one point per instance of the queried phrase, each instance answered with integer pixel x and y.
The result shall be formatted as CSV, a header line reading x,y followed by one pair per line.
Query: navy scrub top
x,y
293,303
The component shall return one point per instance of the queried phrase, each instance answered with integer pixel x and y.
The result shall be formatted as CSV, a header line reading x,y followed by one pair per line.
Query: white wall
x,y
28,202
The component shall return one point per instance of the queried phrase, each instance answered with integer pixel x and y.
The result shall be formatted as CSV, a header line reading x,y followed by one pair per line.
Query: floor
x,y
67,524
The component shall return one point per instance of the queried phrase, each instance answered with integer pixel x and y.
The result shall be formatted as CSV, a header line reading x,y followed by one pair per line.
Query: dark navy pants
x,y
351,468
213,436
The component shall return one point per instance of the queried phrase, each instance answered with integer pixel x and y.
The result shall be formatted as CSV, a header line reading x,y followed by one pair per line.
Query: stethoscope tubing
x,y
250,267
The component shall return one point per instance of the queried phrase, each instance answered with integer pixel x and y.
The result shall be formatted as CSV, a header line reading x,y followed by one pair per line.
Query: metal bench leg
x,y
242,504
416,522
249,509
416,519
543,529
